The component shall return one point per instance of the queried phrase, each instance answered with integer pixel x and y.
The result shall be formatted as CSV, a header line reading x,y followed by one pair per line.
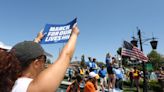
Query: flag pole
x,y
143,63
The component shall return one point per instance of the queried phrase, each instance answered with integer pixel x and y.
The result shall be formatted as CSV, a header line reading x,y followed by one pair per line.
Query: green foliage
x,y
161,63
162,58
125,61
100,64
155,58
83,58
119,51
152,85
155,86
82,63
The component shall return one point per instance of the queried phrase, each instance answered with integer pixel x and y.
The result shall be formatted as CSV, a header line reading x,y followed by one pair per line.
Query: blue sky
x,y
103,24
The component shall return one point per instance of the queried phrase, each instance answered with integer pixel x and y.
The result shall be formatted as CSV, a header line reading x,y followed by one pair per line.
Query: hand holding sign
x,y
75,30
39,36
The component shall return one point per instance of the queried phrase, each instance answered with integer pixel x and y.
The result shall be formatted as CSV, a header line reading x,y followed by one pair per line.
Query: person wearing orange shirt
x,y
91,84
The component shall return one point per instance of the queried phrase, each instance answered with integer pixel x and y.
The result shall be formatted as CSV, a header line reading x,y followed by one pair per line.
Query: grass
x,y
128,89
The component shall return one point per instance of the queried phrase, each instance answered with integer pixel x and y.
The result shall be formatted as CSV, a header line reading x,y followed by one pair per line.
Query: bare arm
x,y
50,79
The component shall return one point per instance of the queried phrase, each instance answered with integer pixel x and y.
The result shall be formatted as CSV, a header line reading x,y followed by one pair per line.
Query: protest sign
x,y
57,33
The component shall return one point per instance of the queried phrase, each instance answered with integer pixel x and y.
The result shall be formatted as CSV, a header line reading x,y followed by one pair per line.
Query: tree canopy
x,y
155,59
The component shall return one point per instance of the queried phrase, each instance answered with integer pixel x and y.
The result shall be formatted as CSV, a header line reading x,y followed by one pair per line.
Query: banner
x,y
57,33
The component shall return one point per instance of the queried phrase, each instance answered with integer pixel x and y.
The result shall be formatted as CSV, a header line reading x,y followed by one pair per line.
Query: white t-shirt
x,y
21,84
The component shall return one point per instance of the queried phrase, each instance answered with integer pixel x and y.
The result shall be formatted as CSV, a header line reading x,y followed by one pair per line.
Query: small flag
x,y
133,52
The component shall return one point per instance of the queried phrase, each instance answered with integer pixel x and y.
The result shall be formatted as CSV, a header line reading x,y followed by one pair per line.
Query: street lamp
x,y
134,41
154,43
154,46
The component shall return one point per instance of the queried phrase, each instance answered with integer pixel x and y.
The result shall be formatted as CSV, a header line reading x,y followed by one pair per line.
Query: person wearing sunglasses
x,y
30,74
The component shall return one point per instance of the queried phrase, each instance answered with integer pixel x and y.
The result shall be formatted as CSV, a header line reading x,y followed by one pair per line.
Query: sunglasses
x,y
43,58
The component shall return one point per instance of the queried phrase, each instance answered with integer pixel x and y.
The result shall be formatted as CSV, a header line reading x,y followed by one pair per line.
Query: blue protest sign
x,y
57,33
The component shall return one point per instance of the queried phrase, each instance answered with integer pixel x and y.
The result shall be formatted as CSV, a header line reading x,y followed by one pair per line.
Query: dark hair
x,y
25,65
108,55
79,78
94,59
113,58
74,87
89,58
9,71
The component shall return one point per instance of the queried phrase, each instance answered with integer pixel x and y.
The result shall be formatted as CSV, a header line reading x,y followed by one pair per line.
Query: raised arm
x,y
50,79
39,36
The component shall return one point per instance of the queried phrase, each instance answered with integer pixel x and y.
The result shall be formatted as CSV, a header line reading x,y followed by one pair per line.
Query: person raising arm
x,y
32,59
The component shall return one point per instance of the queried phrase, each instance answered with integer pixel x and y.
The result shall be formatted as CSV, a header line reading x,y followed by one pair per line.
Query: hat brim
x,y
93,75
97,76
47,54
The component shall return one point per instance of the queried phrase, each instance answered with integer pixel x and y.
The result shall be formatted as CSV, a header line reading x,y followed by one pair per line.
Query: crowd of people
x,y
89,78
112,75
109,75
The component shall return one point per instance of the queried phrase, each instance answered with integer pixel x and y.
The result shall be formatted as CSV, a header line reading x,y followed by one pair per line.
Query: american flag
x,y
133,52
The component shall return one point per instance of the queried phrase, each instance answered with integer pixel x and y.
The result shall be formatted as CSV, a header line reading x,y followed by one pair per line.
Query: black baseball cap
x,y
27,50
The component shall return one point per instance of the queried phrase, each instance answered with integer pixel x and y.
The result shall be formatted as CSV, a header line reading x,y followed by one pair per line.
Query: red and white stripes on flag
x,y
133,52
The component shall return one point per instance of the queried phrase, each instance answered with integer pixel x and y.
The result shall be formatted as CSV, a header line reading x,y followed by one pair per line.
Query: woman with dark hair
x,y
75,86
29,57
9,71
35,78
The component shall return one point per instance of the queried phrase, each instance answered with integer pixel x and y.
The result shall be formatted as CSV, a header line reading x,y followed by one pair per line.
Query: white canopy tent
x,y
4,46
7,47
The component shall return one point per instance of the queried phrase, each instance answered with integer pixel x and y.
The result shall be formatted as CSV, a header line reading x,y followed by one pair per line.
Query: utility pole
x,y
143,63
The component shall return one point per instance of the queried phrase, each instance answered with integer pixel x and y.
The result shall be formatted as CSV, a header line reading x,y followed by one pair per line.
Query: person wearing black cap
x,y
33,75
